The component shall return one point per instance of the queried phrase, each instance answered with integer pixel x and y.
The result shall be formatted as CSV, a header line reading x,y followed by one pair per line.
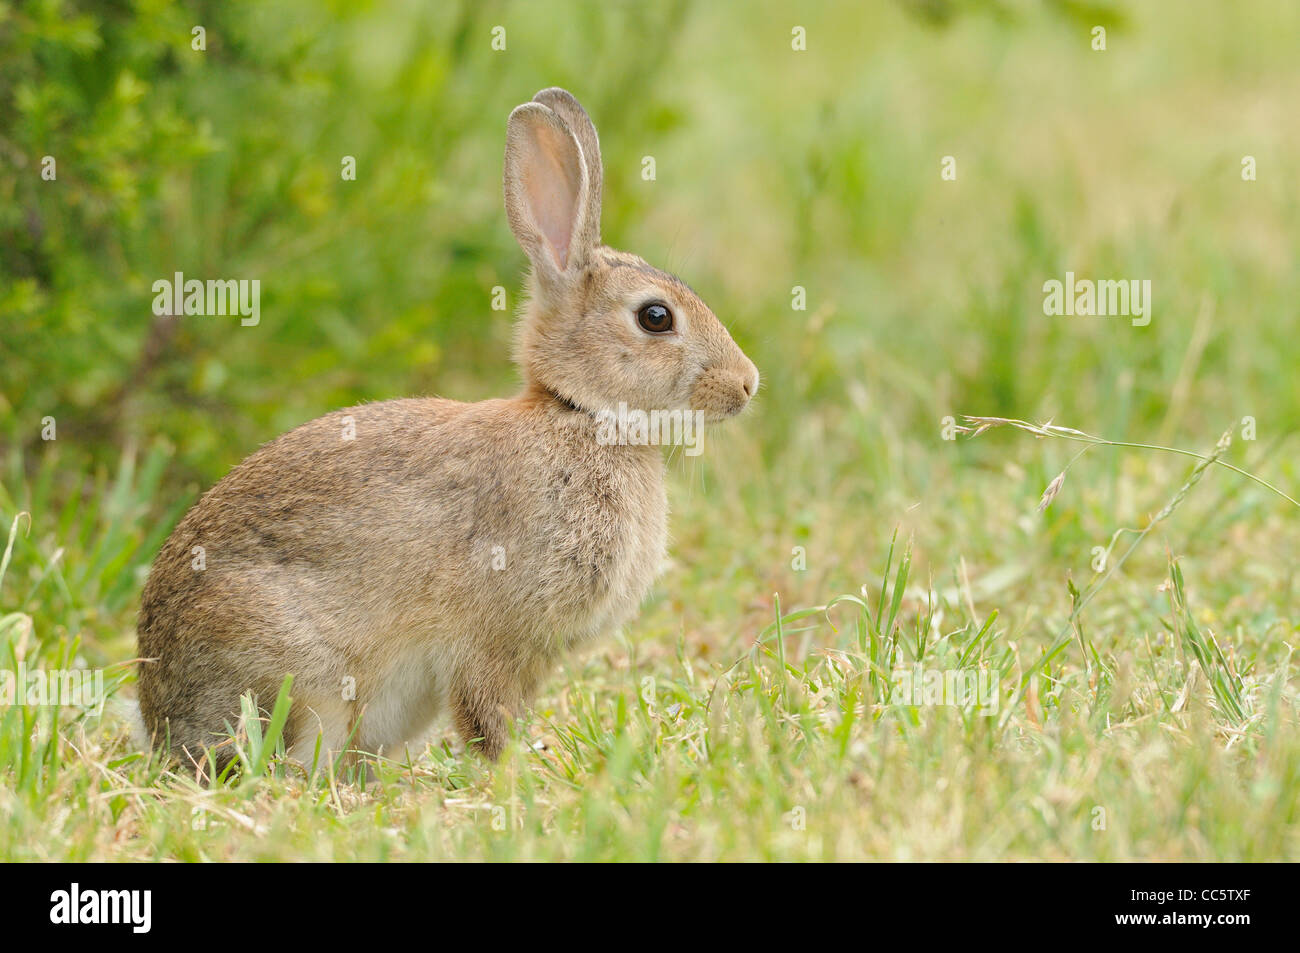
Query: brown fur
x,y
371,560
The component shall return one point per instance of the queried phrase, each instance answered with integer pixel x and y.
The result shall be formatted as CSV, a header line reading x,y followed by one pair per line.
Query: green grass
x,y
724,731
1147,704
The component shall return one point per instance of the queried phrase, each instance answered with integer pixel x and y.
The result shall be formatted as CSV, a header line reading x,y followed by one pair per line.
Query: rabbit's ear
x,y
548,192
562,103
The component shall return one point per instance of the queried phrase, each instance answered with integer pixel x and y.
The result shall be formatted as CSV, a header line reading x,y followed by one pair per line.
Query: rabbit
x,y
414,557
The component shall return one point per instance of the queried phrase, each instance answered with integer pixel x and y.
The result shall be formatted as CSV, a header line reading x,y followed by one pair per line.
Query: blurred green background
x,y
818,168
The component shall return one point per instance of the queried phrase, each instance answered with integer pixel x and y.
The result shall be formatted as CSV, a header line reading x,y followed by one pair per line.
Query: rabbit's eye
x,y
655,319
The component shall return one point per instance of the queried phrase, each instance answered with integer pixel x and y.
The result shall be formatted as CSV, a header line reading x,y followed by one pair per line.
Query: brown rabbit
x,y
412,556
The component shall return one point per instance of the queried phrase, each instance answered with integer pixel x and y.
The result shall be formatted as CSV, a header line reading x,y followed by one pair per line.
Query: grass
x,y
1170,726
1139,629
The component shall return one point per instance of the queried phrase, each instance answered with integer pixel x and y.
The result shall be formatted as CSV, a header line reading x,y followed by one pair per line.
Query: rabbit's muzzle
x,y
722,392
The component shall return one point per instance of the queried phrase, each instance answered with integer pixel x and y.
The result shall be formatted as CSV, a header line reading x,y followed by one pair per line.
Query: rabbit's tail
x,y
129,710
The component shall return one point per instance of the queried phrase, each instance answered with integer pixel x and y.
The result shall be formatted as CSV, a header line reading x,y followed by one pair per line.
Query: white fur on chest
x,y
607,554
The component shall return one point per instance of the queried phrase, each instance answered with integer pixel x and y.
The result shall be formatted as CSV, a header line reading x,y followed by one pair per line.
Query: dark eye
x,y
655,319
